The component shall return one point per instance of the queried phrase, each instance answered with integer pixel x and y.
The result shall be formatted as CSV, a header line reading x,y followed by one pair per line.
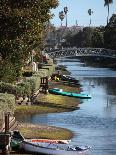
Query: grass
x,y
48,103
43,131
51,103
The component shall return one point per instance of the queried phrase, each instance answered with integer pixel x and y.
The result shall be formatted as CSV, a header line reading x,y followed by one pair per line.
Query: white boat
x,y
53,148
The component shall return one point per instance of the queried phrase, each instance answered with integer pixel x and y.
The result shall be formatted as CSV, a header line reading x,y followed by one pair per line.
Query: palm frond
x,y
107,2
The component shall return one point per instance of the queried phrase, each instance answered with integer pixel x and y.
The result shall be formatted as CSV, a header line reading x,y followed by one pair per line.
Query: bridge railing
x,y
83,52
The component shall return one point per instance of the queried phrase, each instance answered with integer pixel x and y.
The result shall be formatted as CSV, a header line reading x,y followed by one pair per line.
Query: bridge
x,y
69,52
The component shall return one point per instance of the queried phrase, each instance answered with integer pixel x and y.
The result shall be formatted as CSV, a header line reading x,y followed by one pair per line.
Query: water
x,y
94,124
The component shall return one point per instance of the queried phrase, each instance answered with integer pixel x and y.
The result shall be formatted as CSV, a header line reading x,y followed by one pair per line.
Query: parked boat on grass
x,y
52,148
58,91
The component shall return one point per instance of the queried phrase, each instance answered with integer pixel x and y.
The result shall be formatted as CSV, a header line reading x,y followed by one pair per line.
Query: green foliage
x,y
110,33
87,37
7,103
8,87
30,85
7,71
81,39
97,38
35,83
21,30
26,88
104,37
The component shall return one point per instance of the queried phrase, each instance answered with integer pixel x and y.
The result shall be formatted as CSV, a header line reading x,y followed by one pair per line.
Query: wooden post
x,y
7,122
47,82
6,136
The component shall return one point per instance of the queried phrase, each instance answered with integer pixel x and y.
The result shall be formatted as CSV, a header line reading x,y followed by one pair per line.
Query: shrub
x,y
8,87
7,103
34,83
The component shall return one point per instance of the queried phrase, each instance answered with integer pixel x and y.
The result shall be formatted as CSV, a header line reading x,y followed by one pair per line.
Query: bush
x,y
7,103
24,89
34,83
8,87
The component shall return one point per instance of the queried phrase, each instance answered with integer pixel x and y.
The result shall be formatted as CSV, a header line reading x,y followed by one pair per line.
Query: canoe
x,y
58,91
15,142
52,148
17,138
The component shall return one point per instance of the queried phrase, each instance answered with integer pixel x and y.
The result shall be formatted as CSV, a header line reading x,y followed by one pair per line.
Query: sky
x,y
78,10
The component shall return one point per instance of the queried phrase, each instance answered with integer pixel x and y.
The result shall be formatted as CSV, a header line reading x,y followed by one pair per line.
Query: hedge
x,y
30,85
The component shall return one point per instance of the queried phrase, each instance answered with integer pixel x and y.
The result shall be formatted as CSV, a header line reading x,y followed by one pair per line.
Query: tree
x,y
87,37
61,16
65,11
107,3
90,12
22,25
110,33
97,37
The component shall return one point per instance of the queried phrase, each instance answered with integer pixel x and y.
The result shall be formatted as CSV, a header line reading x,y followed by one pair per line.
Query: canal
x,y
94,123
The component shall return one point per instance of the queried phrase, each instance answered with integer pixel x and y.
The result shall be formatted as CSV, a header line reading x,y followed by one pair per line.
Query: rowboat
x,y
17,138
52,148
58,91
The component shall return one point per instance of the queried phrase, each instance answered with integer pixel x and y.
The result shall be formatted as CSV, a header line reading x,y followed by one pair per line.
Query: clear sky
x,y
78,10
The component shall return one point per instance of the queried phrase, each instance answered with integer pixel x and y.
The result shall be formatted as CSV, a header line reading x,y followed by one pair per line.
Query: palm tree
x,y
65,11
90,12
107,3
61,16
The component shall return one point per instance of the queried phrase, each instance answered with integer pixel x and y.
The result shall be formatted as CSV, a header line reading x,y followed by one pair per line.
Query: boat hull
x,y
49,149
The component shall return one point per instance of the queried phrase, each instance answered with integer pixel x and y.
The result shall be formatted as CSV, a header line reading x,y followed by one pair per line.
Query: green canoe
x,y
16,139
58,91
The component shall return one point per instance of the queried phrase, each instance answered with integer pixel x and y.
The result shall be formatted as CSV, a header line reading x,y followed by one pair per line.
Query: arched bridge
x,y
69,52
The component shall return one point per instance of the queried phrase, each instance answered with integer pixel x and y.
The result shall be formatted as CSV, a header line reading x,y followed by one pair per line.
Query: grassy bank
x,y
48,103
51,103
43,131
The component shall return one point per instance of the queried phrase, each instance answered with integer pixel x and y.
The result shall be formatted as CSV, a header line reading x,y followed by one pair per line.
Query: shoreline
x,y
48,103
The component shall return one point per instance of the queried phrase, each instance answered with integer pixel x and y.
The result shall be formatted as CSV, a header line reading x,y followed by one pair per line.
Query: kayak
x,y
58,91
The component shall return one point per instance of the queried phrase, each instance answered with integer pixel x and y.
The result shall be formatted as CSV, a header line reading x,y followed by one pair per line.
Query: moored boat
x,y
16,139
52,148
58,91
68,78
